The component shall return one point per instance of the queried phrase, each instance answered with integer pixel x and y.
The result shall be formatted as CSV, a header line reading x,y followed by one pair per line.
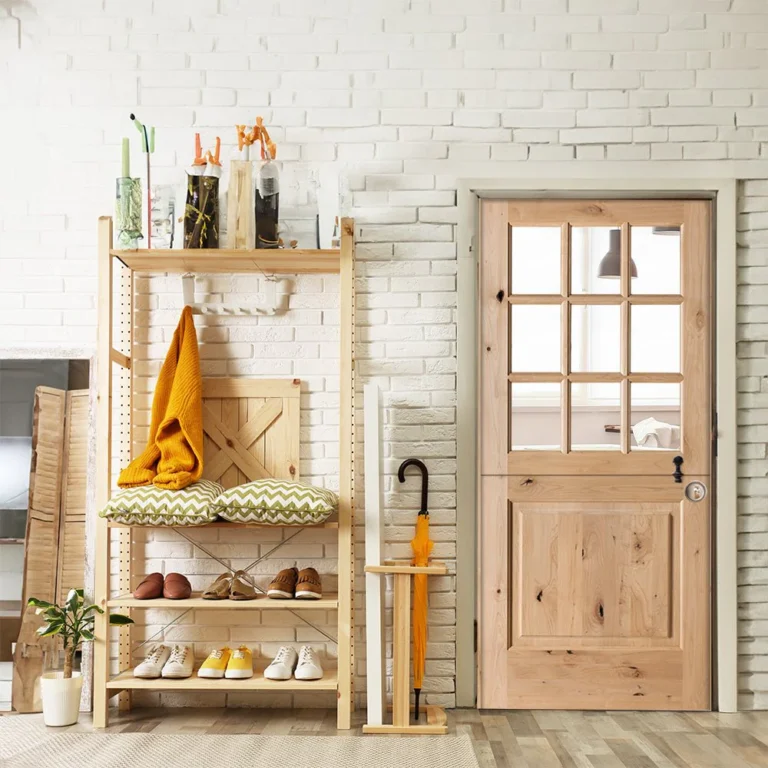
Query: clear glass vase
x,y
128,212
201,213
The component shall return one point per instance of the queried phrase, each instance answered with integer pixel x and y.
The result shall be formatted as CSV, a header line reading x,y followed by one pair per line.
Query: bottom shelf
x,y
125,681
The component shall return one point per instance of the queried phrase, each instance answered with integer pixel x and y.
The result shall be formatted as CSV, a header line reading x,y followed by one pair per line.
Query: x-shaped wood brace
x,y
234,445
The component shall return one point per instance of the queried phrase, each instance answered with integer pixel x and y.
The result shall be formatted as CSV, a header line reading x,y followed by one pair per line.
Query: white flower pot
x,y
61,698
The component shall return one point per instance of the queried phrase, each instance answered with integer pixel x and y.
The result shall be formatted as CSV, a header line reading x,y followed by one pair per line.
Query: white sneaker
x,y
153,663
283,665
180,663
308,667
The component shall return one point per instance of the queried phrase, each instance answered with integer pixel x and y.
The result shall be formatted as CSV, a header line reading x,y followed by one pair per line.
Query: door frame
x,y
717,182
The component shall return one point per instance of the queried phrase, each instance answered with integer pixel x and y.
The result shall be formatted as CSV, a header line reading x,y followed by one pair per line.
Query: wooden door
x,y
595,380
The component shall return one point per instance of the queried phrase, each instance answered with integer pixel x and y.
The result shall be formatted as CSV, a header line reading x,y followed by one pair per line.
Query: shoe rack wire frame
x,y
115,385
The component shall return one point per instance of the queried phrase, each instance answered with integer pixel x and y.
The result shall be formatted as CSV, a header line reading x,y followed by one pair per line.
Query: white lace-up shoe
x,y
180,663
283,664
153,663
309,667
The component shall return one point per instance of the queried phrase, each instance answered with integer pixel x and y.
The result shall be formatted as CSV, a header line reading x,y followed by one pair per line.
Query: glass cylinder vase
x,y
128,212
201,213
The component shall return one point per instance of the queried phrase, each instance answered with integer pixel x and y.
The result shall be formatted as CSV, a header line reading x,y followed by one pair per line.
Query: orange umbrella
x,y
422,547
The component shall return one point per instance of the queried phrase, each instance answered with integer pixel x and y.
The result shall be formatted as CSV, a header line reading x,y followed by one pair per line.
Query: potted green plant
x,y
74,623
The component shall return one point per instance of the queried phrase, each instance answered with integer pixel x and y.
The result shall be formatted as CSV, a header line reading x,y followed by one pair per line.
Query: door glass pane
x,y
595,417
595,338
535,417
656,254
595,260
655,338
535,260
535,336
655,416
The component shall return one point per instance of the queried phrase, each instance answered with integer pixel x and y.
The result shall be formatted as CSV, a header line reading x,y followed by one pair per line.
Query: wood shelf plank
x,y
261,603
205,260
125,681
433,570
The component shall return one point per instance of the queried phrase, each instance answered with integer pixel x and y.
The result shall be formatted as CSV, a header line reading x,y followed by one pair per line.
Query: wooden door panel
x,y
627,488
594,565
578,679
594,571
595,463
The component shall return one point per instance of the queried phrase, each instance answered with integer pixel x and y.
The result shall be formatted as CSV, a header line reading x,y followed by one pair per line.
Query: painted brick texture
x,y
404,97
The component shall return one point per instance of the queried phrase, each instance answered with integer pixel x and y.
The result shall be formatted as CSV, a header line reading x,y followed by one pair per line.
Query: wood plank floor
x,y
515,739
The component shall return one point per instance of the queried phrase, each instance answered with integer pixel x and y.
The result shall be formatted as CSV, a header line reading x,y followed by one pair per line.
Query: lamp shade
x,y
610,264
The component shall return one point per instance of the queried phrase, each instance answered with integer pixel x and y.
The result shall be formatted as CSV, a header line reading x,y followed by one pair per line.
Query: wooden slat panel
x,y
596,213
41,547
696,334
205,260
627,488
250,432
71,560
623,678
251,388
494,321
595,574
637,463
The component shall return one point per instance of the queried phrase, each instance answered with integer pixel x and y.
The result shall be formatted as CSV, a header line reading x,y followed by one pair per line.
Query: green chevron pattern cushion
x,y
147,505
276,502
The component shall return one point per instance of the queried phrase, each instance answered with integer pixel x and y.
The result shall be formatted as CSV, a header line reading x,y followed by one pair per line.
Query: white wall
x,y
404,96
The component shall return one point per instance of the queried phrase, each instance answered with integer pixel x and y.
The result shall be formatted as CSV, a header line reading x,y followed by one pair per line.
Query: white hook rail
x,y
280,290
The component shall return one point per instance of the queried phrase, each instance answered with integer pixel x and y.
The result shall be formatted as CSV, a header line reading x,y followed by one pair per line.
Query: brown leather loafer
x,y
150,587
177,587
308,586
283,586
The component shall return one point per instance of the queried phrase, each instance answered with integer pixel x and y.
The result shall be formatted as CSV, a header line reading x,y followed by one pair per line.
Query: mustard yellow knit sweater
x,y
173,457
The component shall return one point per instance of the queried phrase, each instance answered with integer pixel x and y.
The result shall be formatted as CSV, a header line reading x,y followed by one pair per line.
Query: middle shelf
x,y
261,603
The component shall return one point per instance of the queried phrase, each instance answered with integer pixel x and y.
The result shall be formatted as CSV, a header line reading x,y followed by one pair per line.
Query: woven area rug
x,y
31,745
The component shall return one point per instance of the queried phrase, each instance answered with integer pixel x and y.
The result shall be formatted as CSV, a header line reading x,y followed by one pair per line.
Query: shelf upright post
x,y
101,651
346,567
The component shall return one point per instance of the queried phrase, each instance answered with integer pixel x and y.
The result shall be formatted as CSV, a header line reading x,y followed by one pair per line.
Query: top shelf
x,y
287,261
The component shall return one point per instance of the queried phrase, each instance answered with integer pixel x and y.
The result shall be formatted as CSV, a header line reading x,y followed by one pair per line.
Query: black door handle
x,y
678,473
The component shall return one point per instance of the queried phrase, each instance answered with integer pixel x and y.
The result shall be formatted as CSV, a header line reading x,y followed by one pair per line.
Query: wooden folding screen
x,y
54,544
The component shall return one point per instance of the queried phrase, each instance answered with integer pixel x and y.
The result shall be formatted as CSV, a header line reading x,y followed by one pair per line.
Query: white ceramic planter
x,y
61,698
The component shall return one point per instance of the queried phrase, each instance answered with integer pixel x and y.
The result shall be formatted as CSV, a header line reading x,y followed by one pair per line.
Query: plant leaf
x,y
39,603
86,634
49,630
119,619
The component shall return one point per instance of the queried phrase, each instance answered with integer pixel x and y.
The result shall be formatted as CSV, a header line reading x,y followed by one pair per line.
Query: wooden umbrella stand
x,y
403,574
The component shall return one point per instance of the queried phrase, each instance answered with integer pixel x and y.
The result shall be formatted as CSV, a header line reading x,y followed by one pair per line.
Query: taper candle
x,y
126,158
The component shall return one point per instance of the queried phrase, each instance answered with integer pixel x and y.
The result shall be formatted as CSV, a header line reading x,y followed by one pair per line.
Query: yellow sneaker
x,y
216,663
240,664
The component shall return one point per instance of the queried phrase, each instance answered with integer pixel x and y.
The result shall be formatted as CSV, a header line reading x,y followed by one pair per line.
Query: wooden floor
x,y
519,739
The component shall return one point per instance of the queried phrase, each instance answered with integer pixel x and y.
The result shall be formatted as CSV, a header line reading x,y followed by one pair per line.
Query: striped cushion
x,y
147,505
276,502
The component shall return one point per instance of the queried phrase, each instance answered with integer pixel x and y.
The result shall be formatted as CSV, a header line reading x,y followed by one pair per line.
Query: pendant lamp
x,y
610,264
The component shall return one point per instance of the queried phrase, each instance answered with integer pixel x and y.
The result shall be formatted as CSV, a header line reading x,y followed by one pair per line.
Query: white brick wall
x,y
406,96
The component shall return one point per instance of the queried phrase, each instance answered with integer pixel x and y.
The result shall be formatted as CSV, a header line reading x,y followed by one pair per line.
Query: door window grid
x,y
585,383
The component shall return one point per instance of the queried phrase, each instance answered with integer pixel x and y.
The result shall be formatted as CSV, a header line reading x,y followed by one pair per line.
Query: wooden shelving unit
x,y
115,324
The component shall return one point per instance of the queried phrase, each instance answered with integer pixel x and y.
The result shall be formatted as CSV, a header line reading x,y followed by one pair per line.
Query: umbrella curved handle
x,y
424,479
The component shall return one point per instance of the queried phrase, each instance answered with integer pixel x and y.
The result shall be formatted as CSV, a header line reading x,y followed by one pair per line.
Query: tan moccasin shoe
x,y
308,586
220,588
283,586
242,587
